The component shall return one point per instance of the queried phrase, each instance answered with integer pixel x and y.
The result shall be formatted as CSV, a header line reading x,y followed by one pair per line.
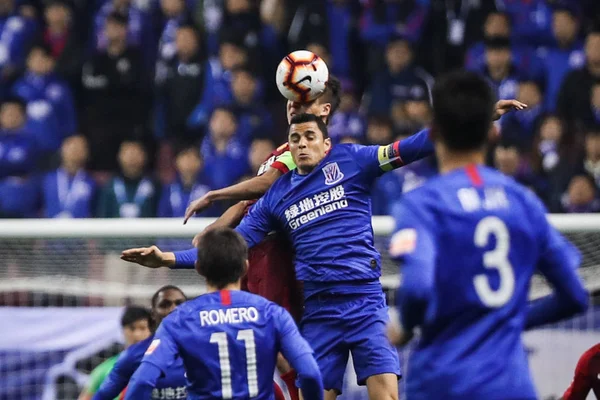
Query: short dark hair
x,y
133,314
302,118
118,17
43,47
16,100
463,108
164,289
222,257
332,95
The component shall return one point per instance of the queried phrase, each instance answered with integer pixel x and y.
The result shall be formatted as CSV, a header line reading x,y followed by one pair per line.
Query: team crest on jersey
x,y
152,346
403,242
332,173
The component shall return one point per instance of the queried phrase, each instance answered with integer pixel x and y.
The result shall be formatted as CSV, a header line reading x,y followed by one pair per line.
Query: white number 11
x,y
247,336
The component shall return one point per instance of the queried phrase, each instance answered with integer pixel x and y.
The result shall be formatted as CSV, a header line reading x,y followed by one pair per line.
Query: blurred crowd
x,y
130,108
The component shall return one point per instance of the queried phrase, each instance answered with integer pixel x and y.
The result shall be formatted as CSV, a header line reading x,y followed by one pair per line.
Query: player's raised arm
x,y
299,354
413,244
159,357
558,263
586,375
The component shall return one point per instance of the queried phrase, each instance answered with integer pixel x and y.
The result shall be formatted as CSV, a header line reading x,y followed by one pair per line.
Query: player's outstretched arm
x,y
558,263
246,190
584,377
297,351
151,257
142,382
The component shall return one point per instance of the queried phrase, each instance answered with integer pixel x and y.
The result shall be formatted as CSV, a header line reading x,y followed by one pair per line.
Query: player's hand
x,y
506,106
150,257
198,206
398,336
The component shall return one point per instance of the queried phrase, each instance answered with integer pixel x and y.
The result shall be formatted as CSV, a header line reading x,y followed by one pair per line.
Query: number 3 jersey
x,y
228,341
469,242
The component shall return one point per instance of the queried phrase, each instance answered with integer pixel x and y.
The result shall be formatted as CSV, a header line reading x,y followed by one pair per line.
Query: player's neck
x,y
450,160
232,286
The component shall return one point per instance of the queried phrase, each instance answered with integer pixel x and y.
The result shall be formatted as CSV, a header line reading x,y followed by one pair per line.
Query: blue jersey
x,y
469,242
327,213
229,341
172,385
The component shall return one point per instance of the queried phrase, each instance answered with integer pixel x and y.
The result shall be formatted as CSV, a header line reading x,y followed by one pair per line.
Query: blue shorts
x,y
337,325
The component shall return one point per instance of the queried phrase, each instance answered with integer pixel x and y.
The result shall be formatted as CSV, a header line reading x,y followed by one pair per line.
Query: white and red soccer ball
x,y
302,76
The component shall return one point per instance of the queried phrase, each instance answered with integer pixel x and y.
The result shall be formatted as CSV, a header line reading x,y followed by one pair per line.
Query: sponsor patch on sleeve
x,y
152,346
403,242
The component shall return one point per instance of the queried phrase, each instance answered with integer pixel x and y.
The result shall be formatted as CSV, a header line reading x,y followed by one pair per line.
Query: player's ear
x,y
327,142
197,268
246,266
325,110
493,133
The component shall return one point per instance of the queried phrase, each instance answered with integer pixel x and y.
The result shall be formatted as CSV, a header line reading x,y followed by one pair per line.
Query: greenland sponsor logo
x,y
332,173
229,316
313,207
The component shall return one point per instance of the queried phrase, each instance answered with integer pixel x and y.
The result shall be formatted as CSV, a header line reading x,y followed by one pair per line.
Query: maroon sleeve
x,y
585,373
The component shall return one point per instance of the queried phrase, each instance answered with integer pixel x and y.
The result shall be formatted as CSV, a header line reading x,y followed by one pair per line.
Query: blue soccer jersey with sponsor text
x,y
229,341
469,242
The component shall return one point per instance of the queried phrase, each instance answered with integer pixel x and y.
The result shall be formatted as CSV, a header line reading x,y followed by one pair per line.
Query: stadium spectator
x,y
189,185
393,84
186,87
520,127
115,95
176,13
499,66
50,106
241,18
413,113
347,122
225,157
15,34
260,150
63,39
574,96
497,24
595,104
508,159
69,191
19,194
209,16
380,130
138,30
254,120
531,21
131,194
332,25
566,55
383,20
581,195
136,324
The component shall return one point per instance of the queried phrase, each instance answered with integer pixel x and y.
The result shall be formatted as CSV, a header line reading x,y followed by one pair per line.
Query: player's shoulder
x,y
136,351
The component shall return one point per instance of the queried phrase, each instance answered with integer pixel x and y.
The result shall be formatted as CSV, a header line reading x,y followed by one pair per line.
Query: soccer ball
x,y
302,76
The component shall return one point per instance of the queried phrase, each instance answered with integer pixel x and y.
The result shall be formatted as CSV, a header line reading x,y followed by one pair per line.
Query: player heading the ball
x,y
469,242
228,339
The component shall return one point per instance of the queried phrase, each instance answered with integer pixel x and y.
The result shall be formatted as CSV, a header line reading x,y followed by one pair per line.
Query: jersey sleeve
x,y
583,379
558,262
257,223
163,350
117,378
284,162
413,245
375,160
293,345
142,382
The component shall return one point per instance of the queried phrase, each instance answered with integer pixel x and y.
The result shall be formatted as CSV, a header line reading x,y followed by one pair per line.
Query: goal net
x,y
63,285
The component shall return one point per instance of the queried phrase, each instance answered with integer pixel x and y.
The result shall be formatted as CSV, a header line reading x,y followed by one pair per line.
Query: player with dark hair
x,y
469,242
136,323
172,383
228,339
587,376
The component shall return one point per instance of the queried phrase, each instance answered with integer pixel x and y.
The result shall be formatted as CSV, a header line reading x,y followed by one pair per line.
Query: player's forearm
x,y
247,190
111,387
555,307
142,382
309,377
184,259
415,147
231,217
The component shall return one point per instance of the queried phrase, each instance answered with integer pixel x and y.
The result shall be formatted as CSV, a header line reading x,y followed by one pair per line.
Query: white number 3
x,y
494,259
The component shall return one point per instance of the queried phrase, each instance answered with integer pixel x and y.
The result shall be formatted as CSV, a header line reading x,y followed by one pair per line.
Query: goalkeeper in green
x,y
136,327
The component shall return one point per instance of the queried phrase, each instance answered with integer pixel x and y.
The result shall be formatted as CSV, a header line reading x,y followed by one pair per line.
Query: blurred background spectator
x,y
182,91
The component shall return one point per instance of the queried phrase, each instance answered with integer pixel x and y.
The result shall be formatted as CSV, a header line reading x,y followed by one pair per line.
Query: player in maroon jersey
x,y
587,376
